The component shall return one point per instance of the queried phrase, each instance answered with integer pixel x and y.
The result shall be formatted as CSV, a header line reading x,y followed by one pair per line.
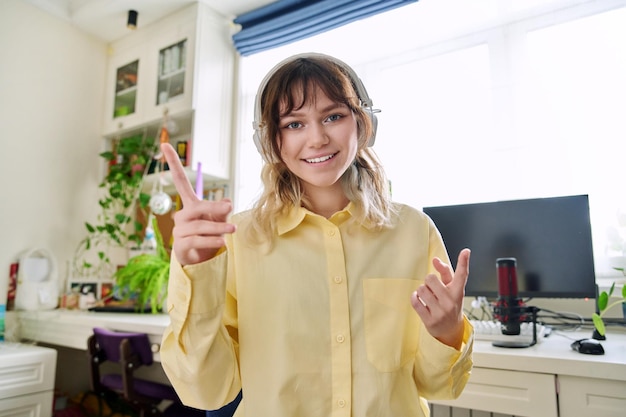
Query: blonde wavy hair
x,y
364,182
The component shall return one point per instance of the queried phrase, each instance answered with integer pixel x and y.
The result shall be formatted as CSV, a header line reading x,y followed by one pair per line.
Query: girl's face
x,y
319,142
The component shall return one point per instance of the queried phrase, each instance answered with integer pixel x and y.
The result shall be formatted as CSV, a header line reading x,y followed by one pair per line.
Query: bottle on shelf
x,y
149,242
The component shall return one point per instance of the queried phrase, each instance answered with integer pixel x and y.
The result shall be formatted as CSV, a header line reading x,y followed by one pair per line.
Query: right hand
x,y
199,227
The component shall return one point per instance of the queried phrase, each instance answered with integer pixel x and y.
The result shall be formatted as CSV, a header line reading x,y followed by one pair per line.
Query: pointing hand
x,y
439,302
199,227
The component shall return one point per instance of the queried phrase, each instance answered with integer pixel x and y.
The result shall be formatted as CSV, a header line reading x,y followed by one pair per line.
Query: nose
x,y
317,135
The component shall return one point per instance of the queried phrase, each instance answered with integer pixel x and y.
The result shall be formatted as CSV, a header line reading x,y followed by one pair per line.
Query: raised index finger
x,y
462,269
182,184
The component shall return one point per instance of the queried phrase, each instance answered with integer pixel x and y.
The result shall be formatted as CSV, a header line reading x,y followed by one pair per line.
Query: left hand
x,y
439,302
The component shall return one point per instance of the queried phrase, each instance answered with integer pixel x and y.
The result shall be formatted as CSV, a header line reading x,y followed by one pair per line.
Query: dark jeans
x,y
228,410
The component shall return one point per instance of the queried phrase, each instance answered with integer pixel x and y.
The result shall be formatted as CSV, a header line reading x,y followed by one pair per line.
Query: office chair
x,y
131,351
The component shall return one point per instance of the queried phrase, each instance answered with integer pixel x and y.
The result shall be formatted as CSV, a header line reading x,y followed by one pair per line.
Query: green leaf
x,y
89,227
138,226
603,300
612,289
109,156
122,218
161,252
624,291
598,323
144,200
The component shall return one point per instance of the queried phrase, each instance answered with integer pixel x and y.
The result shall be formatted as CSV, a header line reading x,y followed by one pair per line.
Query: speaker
x,y
366,101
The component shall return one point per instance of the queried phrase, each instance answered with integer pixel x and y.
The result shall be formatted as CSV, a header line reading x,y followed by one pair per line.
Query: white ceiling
x,y
106,19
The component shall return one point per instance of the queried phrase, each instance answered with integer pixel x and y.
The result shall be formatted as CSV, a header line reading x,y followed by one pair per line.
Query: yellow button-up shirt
x,y
321,325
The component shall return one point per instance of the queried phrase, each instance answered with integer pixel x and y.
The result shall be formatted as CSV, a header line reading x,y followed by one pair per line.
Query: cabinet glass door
x,y
171,81
126,89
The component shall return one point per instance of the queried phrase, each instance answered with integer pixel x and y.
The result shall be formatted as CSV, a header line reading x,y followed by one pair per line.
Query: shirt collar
x,y
296,215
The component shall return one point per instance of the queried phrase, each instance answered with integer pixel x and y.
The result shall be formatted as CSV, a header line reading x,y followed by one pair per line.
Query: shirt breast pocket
x,y
391,324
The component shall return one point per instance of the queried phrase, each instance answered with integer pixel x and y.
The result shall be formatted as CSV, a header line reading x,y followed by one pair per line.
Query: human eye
x,y
334,117
292,125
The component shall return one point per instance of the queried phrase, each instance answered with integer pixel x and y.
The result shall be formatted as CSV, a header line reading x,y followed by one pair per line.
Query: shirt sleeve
x,y
197,348
441,371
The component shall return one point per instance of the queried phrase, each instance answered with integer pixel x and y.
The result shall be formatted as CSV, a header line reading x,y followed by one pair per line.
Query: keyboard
x,y
490,330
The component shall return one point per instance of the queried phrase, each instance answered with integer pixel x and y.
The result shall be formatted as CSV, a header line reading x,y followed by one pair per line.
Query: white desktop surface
x,y
71,328
554,355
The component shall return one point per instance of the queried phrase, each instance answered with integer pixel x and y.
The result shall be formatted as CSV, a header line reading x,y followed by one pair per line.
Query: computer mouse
x,y
588,346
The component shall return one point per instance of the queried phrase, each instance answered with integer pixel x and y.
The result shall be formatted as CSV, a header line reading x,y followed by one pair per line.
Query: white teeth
x,y
321,159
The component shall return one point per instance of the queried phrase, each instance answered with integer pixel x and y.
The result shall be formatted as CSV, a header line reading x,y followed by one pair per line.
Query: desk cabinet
x,y
510,393
26,380
548,379
591,397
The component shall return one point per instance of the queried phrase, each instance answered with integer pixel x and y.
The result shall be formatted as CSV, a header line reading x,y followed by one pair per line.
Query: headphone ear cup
x,y
374,119
257,140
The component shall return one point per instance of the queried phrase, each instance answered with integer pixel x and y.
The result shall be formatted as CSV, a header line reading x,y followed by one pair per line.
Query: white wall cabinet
x,y
184,66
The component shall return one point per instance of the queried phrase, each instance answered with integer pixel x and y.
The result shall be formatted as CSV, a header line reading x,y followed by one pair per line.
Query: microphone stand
x,y
521,310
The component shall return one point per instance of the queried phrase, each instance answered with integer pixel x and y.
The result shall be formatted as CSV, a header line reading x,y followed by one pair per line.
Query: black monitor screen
x,y
549,237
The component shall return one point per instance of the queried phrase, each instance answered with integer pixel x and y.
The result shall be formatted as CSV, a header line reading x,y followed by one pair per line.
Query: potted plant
x,y
145,276
604,306
127,161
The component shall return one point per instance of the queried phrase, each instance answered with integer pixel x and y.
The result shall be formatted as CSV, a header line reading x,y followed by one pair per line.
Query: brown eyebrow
x,y
333,106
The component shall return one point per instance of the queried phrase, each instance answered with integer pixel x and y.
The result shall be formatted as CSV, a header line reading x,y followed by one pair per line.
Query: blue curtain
x,y
286,21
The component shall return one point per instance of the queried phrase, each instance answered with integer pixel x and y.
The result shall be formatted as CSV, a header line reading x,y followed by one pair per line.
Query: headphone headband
x,y
366,101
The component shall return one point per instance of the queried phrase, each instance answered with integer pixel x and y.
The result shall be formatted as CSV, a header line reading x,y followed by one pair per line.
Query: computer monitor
x,y
549,237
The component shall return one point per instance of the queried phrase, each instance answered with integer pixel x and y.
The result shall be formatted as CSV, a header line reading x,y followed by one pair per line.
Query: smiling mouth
x,y
320,159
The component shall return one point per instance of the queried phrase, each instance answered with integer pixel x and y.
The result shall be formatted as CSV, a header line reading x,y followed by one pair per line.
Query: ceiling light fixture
x,y
132,19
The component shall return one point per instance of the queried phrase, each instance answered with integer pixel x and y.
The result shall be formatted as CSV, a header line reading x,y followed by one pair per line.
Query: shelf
x,y
126,91
182,121
171,74
150,180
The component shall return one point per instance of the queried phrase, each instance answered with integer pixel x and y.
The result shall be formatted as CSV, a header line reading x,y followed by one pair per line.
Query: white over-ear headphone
x,y
366,101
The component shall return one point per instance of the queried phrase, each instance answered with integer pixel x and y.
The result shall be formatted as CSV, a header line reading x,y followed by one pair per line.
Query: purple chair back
x,y
109,341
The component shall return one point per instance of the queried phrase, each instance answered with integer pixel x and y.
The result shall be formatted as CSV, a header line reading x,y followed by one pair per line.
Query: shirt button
x,y
341,403
340,338
331,233
337,279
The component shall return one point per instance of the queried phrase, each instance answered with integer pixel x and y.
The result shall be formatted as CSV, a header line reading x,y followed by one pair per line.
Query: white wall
x,y
51,97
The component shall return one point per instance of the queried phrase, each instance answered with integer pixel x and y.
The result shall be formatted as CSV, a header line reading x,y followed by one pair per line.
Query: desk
x,y
548,379
71,328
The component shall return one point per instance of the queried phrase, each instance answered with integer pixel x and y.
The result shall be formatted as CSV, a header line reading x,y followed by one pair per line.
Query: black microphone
x,y
508,306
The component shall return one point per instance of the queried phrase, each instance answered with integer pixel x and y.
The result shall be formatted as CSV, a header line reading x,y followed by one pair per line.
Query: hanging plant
x,y
116,225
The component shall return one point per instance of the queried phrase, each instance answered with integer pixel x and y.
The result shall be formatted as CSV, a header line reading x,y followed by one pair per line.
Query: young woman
x,y
326,298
